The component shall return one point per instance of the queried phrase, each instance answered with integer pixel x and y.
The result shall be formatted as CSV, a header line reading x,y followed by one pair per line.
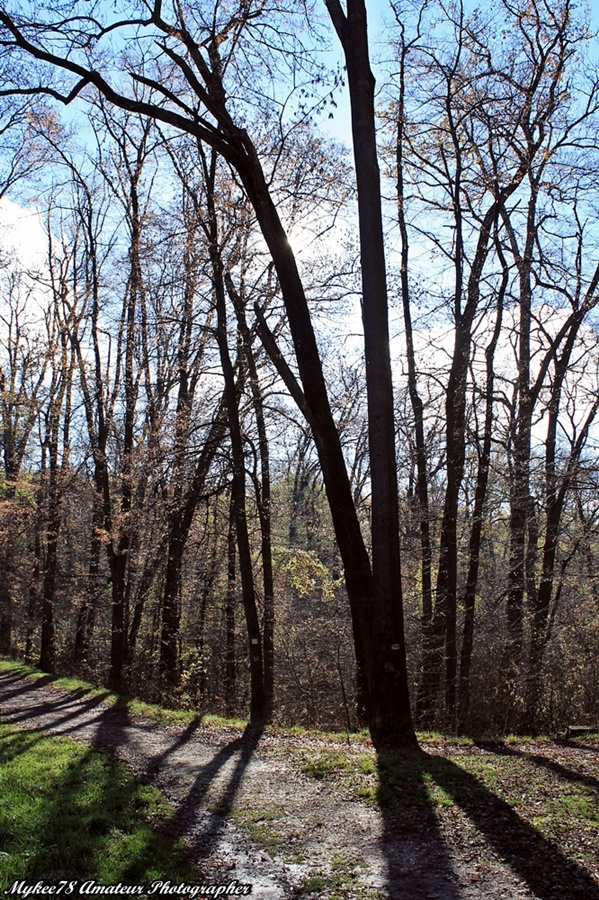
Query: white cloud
x,y
23,239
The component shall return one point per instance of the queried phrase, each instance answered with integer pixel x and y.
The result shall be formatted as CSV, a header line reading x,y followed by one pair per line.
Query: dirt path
x,y
250,814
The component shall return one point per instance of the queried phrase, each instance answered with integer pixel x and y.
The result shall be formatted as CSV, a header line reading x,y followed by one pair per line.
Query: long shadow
x,y
22,685
18,742
538,759
66,711
59,701
157,761
191,817
537,861
205,826
25,687
201,826
418,862
110,732
111,726
91,818
11,677
577,745
107,811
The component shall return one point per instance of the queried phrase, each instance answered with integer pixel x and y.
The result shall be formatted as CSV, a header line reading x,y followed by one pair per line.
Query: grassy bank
x,y
150,712
71,812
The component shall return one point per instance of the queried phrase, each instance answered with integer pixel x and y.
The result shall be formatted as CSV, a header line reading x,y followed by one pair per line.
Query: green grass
x,y
314,884
513,739
511,793
335,737
415,785
336,885
338,881
325,763
72,812
261,825
437,739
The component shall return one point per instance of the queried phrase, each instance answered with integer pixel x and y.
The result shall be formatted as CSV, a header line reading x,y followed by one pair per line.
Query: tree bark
x,y
263,498
480,495
389,702
258,711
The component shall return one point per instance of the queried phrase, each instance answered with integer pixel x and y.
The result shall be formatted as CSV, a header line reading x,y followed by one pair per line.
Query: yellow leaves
x,y
304,572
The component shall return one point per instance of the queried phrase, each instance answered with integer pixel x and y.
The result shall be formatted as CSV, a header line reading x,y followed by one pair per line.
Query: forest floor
x,y
300,816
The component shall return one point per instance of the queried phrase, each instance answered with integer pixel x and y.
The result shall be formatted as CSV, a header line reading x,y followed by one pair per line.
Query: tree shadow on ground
x,y
419,860
86,812
16,678
109,729
206,824
559,769
66,710
79,815
406,783
158,760
577,745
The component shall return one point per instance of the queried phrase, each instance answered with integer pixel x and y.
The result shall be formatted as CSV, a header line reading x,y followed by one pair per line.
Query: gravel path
x,y
250,814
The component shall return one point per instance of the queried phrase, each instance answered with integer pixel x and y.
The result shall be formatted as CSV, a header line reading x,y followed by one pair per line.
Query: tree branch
x,y
276,357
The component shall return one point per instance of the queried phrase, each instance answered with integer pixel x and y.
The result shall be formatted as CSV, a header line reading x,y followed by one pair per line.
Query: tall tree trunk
x,y
480,495
258,709
520,498
424,702
230,603
389,703
263,499
314,404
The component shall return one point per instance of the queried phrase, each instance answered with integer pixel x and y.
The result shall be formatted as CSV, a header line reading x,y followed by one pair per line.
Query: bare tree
x,y
202,57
